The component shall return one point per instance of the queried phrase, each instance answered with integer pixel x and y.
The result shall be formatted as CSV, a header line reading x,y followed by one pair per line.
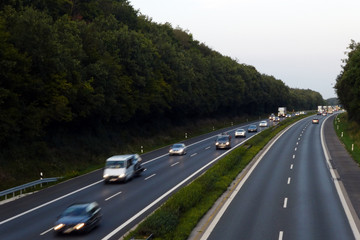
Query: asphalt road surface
x,y
123,205
289,195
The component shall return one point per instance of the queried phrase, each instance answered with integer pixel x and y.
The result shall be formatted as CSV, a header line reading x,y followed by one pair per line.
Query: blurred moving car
x,y
263,124
315,121
252,128
277,119
177,149
288,115
272,117
223,141
240,133
122,167
78,217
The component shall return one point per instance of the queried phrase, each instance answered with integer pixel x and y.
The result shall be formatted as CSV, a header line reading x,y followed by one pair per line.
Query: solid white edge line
x,y
52,201
349,216
242,182
169,192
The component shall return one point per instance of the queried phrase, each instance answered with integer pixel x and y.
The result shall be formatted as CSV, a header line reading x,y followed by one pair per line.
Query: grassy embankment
x,y
178,216
349,134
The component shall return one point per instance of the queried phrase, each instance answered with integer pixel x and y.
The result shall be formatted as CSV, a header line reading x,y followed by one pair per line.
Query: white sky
x,y
300,42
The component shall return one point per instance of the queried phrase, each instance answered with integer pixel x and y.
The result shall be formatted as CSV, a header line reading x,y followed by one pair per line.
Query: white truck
x,y
121,168
281,111
320,110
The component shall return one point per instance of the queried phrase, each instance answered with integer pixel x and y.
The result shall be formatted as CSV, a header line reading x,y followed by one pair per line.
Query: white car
x,y
177,149
240,133
263,124
122,168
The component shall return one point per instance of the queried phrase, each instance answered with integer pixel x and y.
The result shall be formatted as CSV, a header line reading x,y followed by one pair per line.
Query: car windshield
x,y
177,146
115,164
240,130
78,210
223,138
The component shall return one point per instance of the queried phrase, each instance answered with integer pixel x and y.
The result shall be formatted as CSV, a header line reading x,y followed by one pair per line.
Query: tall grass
x,y
349,134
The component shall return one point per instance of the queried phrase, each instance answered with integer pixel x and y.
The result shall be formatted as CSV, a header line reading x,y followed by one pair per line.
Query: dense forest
x,y
348,82
72,67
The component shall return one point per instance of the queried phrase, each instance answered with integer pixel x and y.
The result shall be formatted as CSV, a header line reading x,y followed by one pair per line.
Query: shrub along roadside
x,y
351,134
178,216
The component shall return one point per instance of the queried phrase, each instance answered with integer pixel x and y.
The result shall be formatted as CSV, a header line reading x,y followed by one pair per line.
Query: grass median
x,y
179,215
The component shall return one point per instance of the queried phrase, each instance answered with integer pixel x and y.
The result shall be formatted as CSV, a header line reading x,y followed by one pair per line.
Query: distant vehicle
x,y
252,128
178,149
240,133
281,111
315,121
288,115
223,141
79,217
324,113
319,113
297,114
320,110
263,124
302,113
272,117
277,119
122,168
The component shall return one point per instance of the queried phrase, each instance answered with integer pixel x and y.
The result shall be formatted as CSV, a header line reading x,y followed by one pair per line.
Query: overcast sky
x,y
300,42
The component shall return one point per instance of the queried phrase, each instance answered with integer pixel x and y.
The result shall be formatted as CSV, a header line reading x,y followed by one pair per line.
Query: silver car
x,y
263,124
177,149
240,133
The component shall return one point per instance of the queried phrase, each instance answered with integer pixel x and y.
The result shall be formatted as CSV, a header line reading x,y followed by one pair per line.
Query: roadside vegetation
x,y
179,215
348,132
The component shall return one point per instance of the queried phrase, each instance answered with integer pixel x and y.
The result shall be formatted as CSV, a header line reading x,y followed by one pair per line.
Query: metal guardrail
x,y
23,187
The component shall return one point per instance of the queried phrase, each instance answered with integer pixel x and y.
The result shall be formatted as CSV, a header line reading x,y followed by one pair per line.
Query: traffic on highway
x,y
290,194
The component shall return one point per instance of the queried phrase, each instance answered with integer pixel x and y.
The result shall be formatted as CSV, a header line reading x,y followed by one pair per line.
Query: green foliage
x,y
348,82
348,132
78,67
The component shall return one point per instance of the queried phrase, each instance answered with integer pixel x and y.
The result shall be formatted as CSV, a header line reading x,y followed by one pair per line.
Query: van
x,y
121,168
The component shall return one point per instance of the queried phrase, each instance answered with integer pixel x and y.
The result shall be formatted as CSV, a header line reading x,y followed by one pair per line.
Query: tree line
x,y
348,82
87,64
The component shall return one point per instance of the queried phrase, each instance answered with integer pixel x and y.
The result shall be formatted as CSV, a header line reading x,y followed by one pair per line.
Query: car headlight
x,y
79,226
122,175
59,226
106,176
227,143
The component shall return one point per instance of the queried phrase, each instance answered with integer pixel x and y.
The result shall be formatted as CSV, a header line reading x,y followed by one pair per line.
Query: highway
x,y
289,195
123,205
